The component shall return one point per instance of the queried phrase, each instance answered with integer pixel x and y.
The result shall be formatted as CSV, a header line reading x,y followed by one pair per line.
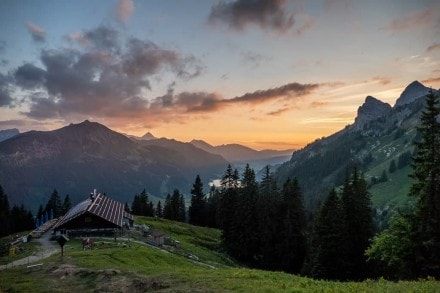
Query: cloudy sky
x,y
268,74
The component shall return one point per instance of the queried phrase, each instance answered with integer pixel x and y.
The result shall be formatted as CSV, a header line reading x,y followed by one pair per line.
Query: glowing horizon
x,y
265,74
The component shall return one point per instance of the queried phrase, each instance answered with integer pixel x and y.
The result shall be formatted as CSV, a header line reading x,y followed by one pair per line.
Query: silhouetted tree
x,y
141,205
329,259
127,207
357,209
159,210
426,189
197,209
174,208
4,213
293,244
54,204
67,205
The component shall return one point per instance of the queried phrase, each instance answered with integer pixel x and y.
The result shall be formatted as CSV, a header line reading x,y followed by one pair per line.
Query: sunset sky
x,y
266,74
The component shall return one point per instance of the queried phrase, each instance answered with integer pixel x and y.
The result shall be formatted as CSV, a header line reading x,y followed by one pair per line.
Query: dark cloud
x,y
29,76
103,38
209,102
199,101
5,97
38,34
188,102
104,77
287,91
146,58
267,14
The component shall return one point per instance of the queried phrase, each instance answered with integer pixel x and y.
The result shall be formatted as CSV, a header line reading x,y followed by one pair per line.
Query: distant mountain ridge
x,y
236,153
79,157
8,133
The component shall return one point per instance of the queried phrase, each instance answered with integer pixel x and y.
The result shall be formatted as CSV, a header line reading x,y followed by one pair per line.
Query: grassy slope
x,y
140,268
394,192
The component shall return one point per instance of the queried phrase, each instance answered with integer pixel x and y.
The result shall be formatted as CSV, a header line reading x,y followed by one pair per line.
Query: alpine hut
x,y
97,215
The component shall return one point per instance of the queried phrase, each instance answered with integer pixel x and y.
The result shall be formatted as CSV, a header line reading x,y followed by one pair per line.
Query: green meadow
x,y
198,265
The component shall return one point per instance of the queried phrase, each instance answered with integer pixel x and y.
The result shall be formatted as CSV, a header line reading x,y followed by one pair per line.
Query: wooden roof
x,y
100,206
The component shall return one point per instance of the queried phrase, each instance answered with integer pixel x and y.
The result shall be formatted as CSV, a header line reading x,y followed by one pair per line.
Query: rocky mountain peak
x,y
370,110
148,136
411,93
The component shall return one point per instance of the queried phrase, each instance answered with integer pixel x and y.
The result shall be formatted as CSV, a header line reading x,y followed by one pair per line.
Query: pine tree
x,y
246,219
226,209
174,208
181,210
141,206
328,258
4,213
54,204
127,207
67,205
213,201
359,222
167,209
159,211
136,205
426,188
293,245
197,209
40,211
269,222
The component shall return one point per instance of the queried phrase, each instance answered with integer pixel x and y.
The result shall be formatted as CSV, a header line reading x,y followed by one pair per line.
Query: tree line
x,y
54,207
15,219
174,208
18,219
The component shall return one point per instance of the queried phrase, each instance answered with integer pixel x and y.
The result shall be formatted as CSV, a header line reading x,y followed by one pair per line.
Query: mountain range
x,y
80,157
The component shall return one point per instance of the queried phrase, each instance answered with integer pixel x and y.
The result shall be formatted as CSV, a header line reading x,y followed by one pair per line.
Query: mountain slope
x,y
79,157
380,135
240,155
8,133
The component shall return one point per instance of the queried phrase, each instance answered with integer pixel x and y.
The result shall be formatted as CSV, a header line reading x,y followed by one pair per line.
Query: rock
x,y
411,93
370,110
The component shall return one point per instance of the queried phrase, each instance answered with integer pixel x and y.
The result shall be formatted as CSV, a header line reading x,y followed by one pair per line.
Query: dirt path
x,y
47,249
